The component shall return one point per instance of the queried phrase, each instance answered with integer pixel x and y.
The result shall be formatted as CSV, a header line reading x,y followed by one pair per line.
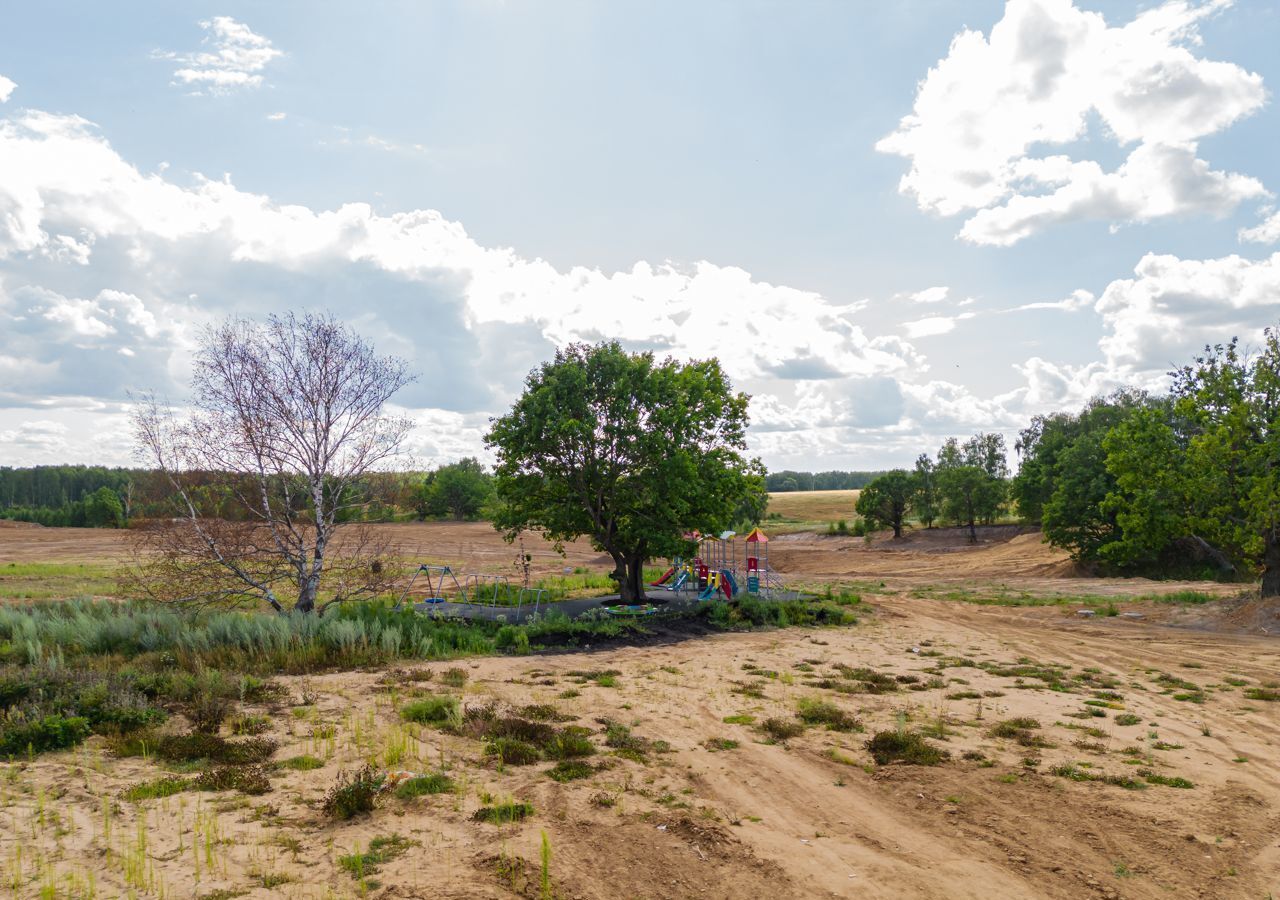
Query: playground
x,y
724,568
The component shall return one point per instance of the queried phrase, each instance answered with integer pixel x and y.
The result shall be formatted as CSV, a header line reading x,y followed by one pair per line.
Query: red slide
x,y
724,587
665,576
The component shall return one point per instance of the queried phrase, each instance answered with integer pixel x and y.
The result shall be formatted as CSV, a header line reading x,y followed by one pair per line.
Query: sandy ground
x,y
808,817
760,820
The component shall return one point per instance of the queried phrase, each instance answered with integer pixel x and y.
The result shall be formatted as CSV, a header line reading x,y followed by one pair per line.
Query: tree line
x,y
787,480
1181,483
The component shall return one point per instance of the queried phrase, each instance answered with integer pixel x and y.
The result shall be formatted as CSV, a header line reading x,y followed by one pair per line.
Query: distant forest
x,y
787,480
81,496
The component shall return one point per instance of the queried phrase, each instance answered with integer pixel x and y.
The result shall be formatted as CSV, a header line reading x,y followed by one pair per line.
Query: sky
x,y
891,222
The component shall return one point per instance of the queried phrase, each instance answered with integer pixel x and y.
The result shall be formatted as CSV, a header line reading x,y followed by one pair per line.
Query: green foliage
x,y
787,480
926,501
504,813
19,735
381,850
302,763
570,770
886,501
904,747
813,711
103,509
438,710
422,785
627,451
459,489
353,794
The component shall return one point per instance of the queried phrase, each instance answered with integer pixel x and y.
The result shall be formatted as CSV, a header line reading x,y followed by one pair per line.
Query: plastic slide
x,y
665,575
708,592
679,582
727,584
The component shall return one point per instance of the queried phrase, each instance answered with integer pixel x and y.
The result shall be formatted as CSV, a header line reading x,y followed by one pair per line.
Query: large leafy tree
x,y
625,450
1064,479
459,489
1230,408
926,502
885,501
972,479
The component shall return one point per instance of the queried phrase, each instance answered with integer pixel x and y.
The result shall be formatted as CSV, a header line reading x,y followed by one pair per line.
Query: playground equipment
x,y
761,579
718,569
475,589
435,577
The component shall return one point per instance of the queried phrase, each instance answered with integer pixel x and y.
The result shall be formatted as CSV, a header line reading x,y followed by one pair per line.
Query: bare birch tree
x,y
287,418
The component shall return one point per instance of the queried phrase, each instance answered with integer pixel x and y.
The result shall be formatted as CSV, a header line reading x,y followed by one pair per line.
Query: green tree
x,y
753,505
1064,480
626,451
103,509
459,489
926,501
1148,503
1231,409
970,495
885,501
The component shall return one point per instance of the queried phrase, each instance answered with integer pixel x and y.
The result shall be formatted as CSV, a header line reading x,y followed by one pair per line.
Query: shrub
x,y
381,850
440,710
570,770
303,763
208,711
247,779
904,747
571,743
512,640
821,712
719,743
353,794
512,752
422,785
188,747
160,787
781,729
1128,719
455,677
54,732
503,813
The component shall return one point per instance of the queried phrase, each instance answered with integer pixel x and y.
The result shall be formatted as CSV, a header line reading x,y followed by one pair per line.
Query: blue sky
x,y
850,204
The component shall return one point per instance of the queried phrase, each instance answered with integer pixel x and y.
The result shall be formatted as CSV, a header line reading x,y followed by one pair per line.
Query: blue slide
x,y
680,580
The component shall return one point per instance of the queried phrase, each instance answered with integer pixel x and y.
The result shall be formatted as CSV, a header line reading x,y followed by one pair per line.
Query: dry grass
x,y
811,507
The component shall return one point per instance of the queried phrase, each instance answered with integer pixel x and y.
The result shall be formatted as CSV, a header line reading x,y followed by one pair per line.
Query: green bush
x,y
19,735
353,794
813,711
422,785
438,710
904,747
512,752
570,770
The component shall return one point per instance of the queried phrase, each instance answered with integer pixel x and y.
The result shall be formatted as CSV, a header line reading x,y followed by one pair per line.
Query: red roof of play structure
x,y
757,537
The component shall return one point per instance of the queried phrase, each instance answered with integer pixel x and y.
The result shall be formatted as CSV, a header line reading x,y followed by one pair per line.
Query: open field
x,y
1108,757
810,508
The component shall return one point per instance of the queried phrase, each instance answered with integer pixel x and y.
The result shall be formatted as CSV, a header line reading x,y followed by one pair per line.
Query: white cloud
x,y
235,59
39,434
6,89
934,325
472,318
929,295
1076,300
981,114
277,116
1265,232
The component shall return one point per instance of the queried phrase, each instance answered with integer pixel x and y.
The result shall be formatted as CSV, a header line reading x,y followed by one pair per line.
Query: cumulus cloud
x,y
105,272
235,58
1265,232
6,88
1045,73
38,434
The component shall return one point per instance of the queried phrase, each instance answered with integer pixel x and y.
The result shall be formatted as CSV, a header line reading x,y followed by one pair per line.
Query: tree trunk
x,y
306,598
973,532
1271,564
897,528
631,585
